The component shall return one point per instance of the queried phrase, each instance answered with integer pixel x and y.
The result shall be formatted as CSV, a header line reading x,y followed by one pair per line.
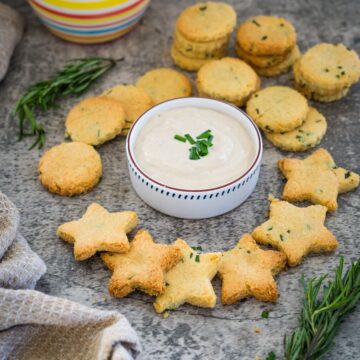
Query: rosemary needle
x,y
74,78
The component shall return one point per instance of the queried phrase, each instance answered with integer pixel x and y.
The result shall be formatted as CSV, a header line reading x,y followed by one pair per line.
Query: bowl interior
x,y
198,102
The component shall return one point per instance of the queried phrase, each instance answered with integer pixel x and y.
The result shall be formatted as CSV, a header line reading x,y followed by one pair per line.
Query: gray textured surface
x,y
189,333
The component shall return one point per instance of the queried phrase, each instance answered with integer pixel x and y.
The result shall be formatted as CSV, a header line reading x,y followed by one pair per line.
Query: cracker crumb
x,y
257,330
271,197
257,358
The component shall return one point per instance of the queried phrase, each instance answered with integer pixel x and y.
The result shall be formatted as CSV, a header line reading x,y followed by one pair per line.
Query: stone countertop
x,y
226,332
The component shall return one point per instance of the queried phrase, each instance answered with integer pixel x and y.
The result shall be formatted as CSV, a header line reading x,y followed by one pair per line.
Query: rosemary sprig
x,y
325,305
74,78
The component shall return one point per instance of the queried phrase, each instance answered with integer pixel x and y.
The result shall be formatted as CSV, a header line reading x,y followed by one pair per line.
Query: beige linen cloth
x,y
35,326
11,29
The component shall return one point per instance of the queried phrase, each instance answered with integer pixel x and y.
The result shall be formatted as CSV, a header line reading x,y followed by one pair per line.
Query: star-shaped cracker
x,y
190,280
142,267
247,270
295,231
98,230
316,179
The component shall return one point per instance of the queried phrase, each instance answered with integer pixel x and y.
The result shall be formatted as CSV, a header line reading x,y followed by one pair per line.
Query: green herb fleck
x,y
180,138
270,228
255,22
189,139
265,314
268,129
288,231
347,174
194,154
326,70
343,73
264,37
282,24
205,135
197,258
318,120
248,251
191,255
271,356
197,248
167,284
339,67
282,237
257,111
203,8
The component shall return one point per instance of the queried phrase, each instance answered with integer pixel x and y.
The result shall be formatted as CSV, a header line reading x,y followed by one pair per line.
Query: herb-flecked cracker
x,y
164,84
330,67
187,63
95,120
142,267
133,99
303,138
266,35
314,179
98,230
282,67
199,49
70,169
206,21
190,280
228,79
247,270
277,109
295,231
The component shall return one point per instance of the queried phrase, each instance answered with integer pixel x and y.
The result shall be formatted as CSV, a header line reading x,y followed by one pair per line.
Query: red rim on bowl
x,y
259,143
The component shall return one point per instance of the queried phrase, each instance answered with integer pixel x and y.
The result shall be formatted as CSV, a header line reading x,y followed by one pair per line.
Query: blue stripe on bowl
x,y
198,197
92,32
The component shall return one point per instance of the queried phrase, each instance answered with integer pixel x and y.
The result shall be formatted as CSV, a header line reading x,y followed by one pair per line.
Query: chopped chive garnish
x,y
197,248
191,255
202,148
265,314
204,135
189,139
197,258
194,154
180,138
201,145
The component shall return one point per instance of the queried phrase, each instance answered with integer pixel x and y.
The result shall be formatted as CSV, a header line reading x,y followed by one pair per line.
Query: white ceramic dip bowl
x,y
194,204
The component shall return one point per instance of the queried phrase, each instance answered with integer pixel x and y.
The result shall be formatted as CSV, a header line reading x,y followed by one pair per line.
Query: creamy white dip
x,y
166,160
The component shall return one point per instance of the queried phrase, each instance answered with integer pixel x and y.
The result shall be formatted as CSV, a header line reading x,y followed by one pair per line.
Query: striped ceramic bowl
x,y
91,21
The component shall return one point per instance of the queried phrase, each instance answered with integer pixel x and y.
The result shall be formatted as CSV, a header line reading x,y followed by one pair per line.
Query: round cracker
x,y
228,79
134,100
199,49
305,137
281,68
95,120
329,67
207,21
187,63
266,35
310,92
259,61
164,84
70,168
277,109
